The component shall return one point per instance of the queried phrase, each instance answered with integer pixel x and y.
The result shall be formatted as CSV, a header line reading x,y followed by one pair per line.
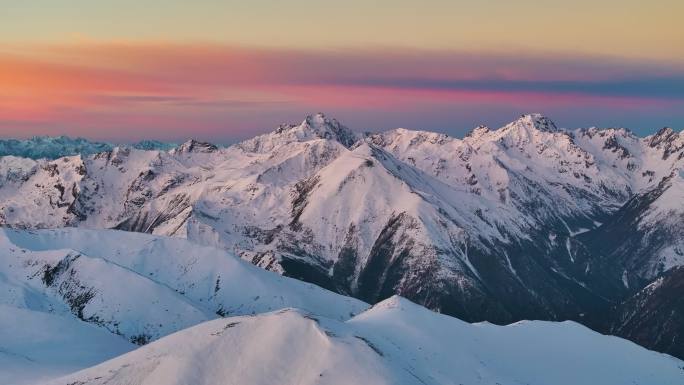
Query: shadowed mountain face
x,y
528,221
654,316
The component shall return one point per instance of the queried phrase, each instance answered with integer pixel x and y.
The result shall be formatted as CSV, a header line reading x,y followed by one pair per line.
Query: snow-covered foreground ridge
x,y
395,342
528,221
72,298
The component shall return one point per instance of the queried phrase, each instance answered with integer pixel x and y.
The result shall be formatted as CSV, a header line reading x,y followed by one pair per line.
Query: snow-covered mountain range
x,y
53,147
528,221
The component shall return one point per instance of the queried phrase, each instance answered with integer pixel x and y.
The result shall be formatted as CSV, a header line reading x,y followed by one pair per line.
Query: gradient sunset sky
x,y
227,70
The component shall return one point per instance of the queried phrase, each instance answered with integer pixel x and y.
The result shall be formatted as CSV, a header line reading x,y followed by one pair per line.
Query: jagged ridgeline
x,y
528,221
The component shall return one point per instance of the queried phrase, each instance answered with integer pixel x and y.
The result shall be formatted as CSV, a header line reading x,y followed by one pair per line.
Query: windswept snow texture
x,y
38,345
528,221
53,147
395,342
72,298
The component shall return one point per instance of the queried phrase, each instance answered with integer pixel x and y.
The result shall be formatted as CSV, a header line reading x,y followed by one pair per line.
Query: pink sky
x,y
129,91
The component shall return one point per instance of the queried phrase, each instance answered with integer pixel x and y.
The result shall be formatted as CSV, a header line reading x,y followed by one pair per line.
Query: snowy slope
x,y
71,298
37,345
395,342
185,282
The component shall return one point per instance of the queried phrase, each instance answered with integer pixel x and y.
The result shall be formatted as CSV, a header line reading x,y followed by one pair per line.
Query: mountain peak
x,y
534,121
478,131
395,301
192,145
328,128
321,127
663,135
319,119
314,127
669,141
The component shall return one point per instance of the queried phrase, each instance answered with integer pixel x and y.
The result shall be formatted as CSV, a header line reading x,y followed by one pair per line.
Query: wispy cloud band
x,y
214,85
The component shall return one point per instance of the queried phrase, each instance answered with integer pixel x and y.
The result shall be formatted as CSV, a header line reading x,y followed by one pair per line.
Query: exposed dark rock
x,y
194,146
654,317
300,194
